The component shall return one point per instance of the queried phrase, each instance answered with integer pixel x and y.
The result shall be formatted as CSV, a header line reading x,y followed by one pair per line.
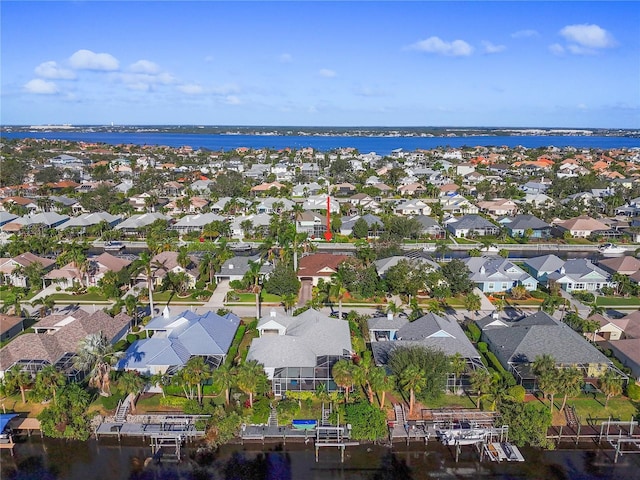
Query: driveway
x,y
218,297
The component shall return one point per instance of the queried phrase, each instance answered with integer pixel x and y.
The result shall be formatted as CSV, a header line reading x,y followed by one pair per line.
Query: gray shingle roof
x,y
523,340
545,263
309,335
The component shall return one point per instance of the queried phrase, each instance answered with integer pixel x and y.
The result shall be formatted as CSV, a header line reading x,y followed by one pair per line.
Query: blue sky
x,y
521,64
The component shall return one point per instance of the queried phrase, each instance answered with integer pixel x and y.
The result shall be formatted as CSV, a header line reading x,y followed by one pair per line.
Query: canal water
x,y
110,460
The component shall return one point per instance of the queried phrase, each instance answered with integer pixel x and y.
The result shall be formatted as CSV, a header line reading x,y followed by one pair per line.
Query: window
x,y
490,286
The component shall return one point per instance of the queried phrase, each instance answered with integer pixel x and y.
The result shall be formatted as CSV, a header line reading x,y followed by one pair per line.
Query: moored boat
x,y
611,249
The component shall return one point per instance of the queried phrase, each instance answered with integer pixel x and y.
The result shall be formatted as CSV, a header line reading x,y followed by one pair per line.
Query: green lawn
x,y
619,408
618,301
85,297
251,298
462,401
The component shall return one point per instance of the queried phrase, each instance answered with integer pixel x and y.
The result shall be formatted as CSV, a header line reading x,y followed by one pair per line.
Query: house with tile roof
x,y
498,207
625,264
518,342
319,265
10,326
55,340
10,268
582,226
174,339
297,353
628,352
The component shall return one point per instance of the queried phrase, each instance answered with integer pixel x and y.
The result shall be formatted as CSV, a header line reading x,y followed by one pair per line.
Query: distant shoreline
x,y
362,131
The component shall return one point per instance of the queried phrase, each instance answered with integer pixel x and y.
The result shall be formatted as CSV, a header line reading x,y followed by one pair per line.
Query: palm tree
x,y
253,274
224,376
148,267
161,379
131,382
472,302
544,367
48,380
96,355
248,379
481,383
442,248
47,304
196,372
363,371
497,392
458,366
18,379
343,374
338,289
611,385
412,380
571,381
289,300
393,308
386,384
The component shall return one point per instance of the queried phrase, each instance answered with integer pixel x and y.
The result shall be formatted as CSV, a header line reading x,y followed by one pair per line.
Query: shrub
x,y
132,337
586,297
300,310
302,395
482,347
261,411
538,294
475,332
633,391
517,392
495,363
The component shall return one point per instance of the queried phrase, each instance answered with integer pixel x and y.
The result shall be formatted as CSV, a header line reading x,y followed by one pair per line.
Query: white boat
x,y
611,249
462,433
113,246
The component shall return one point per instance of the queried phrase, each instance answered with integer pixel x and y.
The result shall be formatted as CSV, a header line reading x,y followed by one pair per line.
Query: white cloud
x,y
145,66
491,48
88,60
578,50
325,72
367,91
191,89
525,34
285,58
457,48
143,81
232,100
42,87
53,70
556,49
590,36
582,106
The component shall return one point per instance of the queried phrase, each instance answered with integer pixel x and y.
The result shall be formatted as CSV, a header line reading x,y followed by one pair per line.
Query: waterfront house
x,y
260,223
374,223
135,223
526,226
580,274
625,265
196,223
540,267
472,226
83,222
628,352
430,331
430,227
518,342
55,341
496,274
297,353
174,339
581,227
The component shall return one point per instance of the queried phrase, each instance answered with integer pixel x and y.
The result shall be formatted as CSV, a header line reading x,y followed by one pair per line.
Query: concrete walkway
x,y
218,297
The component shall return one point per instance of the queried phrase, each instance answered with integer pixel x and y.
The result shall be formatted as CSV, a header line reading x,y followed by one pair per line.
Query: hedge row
x,y
474,331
